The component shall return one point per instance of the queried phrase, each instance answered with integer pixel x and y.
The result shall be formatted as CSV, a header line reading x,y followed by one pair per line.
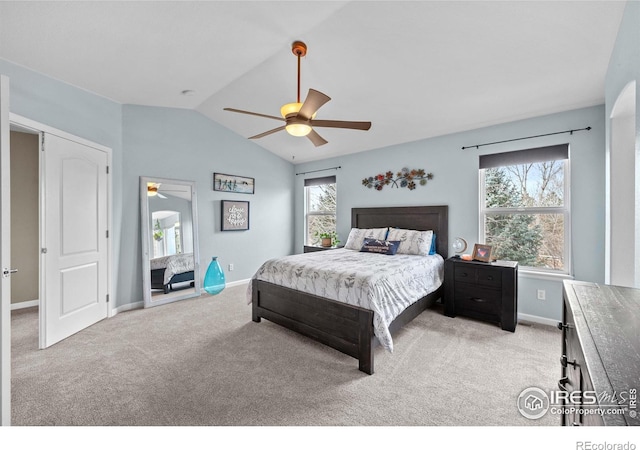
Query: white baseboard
x,y
21,305
127,307
537,319
137,305
238,283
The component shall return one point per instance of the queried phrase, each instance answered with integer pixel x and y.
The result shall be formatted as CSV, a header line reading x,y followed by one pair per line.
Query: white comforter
x,y
385,284
173,264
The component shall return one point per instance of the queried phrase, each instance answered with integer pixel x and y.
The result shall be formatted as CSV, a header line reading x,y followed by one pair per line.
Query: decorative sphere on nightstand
x,y
459,245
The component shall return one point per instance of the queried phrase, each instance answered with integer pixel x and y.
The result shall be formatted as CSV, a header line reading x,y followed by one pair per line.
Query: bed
x,y
346,327
169,270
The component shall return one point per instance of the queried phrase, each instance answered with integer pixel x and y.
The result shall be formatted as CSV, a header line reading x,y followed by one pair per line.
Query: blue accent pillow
x,y
380,246
432,250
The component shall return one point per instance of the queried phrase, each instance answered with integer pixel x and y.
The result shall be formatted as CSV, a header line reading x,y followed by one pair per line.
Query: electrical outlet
x,y
542,295
231,268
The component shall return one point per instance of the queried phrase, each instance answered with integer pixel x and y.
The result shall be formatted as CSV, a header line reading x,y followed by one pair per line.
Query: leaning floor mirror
x,y
169,230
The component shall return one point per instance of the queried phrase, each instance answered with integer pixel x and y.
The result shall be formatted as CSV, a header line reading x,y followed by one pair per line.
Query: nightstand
x,y
313,248
485,291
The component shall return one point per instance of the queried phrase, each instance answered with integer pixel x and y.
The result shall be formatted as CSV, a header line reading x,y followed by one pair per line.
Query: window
x,y
320,207
524,207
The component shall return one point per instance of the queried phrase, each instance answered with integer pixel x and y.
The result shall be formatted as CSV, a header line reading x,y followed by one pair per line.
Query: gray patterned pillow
x,y
357,236
412,242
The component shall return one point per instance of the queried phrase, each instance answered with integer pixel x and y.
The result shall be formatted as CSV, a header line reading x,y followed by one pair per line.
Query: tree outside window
x,y
320,206
525,214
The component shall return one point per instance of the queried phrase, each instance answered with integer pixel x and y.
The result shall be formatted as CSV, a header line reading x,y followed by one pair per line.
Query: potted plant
x,y
327,238
157,231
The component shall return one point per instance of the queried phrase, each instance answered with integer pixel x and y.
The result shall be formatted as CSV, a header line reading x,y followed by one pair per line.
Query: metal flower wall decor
x,y
404,179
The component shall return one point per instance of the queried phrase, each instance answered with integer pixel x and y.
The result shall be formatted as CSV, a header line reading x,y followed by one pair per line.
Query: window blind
x,y
319,181
532,155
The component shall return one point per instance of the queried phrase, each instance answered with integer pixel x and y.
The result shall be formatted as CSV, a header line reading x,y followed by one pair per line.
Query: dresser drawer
x,y
483,276
477,298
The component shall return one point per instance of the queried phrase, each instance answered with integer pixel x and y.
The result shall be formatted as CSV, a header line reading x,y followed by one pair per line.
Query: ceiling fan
x,y
153,189
299,117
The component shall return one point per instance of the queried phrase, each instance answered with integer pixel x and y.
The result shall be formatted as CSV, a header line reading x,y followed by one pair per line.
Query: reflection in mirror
x,y
170,268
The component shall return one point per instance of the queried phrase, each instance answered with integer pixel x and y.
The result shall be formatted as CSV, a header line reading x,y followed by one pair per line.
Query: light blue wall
x,y
624,65
78,112
167,143
184,144
624,68
455,183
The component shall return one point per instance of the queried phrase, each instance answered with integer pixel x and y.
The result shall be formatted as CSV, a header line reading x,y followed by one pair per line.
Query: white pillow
x,y
412,242
358,235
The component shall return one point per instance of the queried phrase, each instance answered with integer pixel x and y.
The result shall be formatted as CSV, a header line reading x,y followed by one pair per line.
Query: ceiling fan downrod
x,y
299,49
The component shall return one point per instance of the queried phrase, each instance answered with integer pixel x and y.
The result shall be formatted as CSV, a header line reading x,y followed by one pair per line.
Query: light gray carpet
x,y
204,362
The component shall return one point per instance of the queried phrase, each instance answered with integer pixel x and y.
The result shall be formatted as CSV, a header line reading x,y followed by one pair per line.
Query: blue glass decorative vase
x,y
214,278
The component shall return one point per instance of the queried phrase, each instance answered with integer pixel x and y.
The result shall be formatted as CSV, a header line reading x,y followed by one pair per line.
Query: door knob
x,y
7,272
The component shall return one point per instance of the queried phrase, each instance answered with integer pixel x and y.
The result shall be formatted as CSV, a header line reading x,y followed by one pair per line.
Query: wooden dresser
x,y
600,354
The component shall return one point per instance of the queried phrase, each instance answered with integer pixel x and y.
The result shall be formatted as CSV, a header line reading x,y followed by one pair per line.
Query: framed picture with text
x,y
234,215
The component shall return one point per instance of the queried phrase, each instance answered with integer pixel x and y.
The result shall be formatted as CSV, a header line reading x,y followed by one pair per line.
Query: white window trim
x,y
566,210
314,213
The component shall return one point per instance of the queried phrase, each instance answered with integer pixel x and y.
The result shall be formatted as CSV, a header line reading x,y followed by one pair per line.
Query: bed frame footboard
x,y
346,328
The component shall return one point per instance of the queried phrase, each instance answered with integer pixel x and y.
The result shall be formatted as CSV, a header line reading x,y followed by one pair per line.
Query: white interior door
x,y
75,262
5,257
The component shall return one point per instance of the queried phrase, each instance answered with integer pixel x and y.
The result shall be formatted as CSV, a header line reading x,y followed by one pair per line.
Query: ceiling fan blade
x,y
253,113
161,196
341,124
316,138
267,133
313,102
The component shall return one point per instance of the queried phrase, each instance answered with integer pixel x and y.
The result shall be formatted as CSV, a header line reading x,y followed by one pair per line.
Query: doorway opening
x,y
25,224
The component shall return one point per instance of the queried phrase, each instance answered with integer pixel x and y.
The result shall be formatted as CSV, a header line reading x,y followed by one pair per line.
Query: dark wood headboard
x,y
420,218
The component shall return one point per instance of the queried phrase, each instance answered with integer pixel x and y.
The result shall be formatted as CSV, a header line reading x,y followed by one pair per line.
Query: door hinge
x,y
107,170
42,142
107,298
43,250
107,234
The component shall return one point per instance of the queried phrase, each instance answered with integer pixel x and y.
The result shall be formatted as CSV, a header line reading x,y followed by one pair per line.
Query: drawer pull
x,y
490,278
478,300
564,361
561,382
463,275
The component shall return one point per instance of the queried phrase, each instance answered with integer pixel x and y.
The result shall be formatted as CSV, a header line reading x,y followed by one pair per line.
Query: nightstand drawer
x,y
476,298
489,277
480,275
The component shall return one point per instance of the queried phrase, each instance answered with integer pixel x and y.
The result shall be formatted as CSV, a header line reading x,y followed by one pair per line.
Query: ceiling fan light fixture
x,y
290,108
294,129
298,129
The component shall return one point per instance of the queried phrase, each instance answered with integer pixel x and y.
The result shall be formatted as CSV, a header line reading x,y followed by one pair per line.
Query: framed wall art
x,y
233,183
234,215
482,252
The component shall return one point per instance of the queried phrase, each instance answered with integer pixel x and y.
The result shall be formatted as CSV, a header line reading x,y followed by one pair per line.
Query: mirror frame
x,y
146,237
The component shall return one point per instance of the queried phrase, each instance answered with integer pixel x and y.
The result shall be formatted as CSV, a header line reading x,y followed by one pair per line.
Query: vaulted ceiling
x,y
415,69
